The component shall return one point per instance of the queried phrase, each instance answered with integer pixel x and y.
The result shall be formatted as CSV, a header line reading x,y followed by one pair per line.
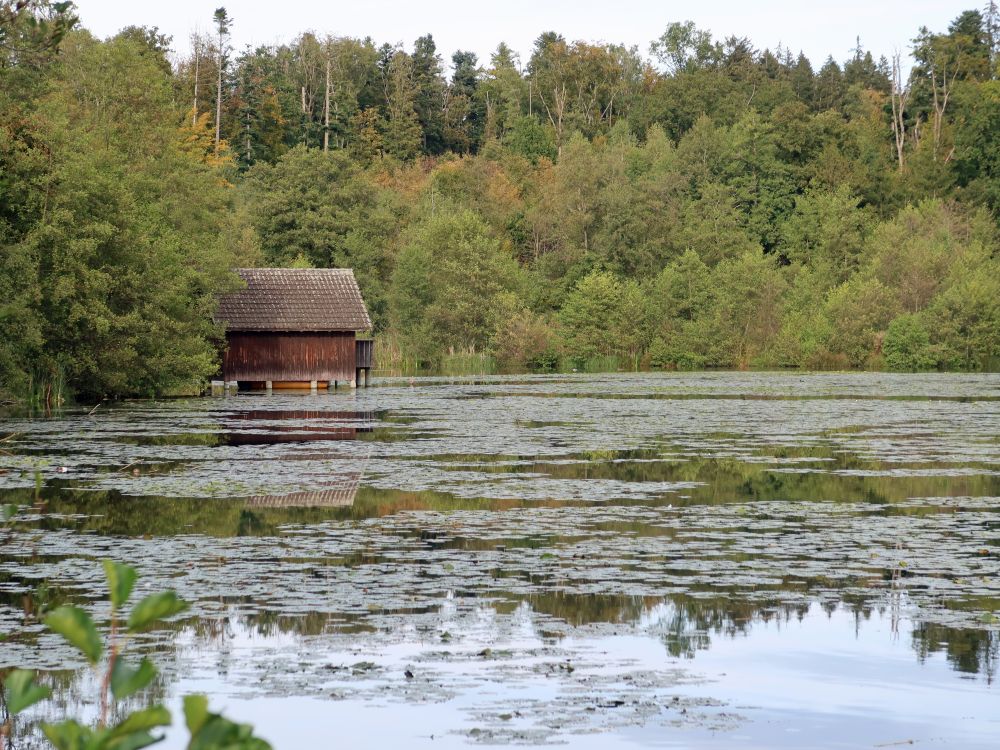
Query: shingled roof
x,y
295,299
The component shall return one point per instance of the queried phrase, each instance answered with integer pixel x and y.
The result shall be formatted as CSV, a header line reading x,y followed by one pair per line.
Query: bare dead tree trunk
x,y
991,18
490,129
606,113
197,70
899,95
559,100
940,102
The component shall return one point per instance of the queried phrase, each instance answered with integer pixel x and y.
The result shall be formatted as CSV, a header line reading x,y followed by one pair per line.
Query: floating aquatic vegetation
x,y
408,529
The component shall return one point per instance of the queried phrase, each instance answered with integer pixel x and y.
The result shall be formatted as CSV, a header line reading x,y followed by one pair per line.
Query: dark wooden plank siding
x,y
365,349
289,356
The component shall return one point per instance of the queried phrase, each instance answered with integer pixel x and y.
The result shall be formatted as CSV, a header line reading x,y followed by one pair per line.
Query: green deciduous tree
x,y
683,48
827,230
320,206
126,255
605,316
747,310
964,320
450,277
713,226
912,253
907,345
682,300
858,311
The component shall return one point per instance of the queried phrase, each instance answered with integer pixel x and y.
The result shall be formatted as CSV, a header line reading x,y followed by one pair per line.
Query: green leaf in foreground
x,y
195,712
126,679
23,691
121,579
154,607
141,721
75,625
7,512
68,735
133,741
210,731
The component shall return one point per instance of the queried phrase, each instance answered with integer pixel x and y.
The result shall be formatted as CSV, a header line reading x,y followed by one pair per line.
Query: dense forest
x,y
702,203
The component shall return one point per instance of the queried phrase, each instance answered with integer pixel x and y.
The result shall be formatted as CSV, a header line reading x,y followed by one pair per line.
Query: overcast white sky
x,y
817,27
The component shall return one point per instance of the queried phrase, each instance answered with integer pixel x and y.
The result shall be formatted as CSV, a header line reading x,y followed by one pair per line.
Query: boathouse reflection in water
x,y
339,496
303,426
264,427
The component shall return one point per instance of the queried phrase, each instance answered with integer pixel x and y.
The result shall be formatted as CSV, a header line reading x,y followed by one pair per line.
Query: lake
x,y
752,560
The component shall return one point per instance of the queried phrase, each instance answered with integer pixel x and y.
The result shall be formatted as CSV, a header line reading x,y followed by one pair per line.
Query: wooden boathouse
x,y
295,327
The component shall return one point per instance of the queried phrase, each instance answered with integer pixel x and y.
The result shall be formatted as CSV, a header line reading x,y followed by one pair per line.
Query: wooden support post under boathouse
x,y
364,355
295,328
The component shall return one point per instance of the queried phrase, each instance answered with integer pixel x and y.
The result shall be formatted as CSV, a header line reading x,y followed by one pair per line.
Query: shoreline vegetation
x,y
701,204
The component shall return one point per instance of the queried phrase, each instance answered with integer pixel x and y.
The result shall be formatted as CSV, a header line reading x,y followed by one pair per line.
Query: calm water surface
x,y
720,560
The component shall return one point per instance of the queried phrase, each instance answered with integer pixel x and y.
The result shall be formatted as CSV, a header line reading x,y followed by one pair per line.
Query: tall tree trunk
x,y
556,112
899,95
940,102
326,109
222,25
197,70
992,23
218,102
